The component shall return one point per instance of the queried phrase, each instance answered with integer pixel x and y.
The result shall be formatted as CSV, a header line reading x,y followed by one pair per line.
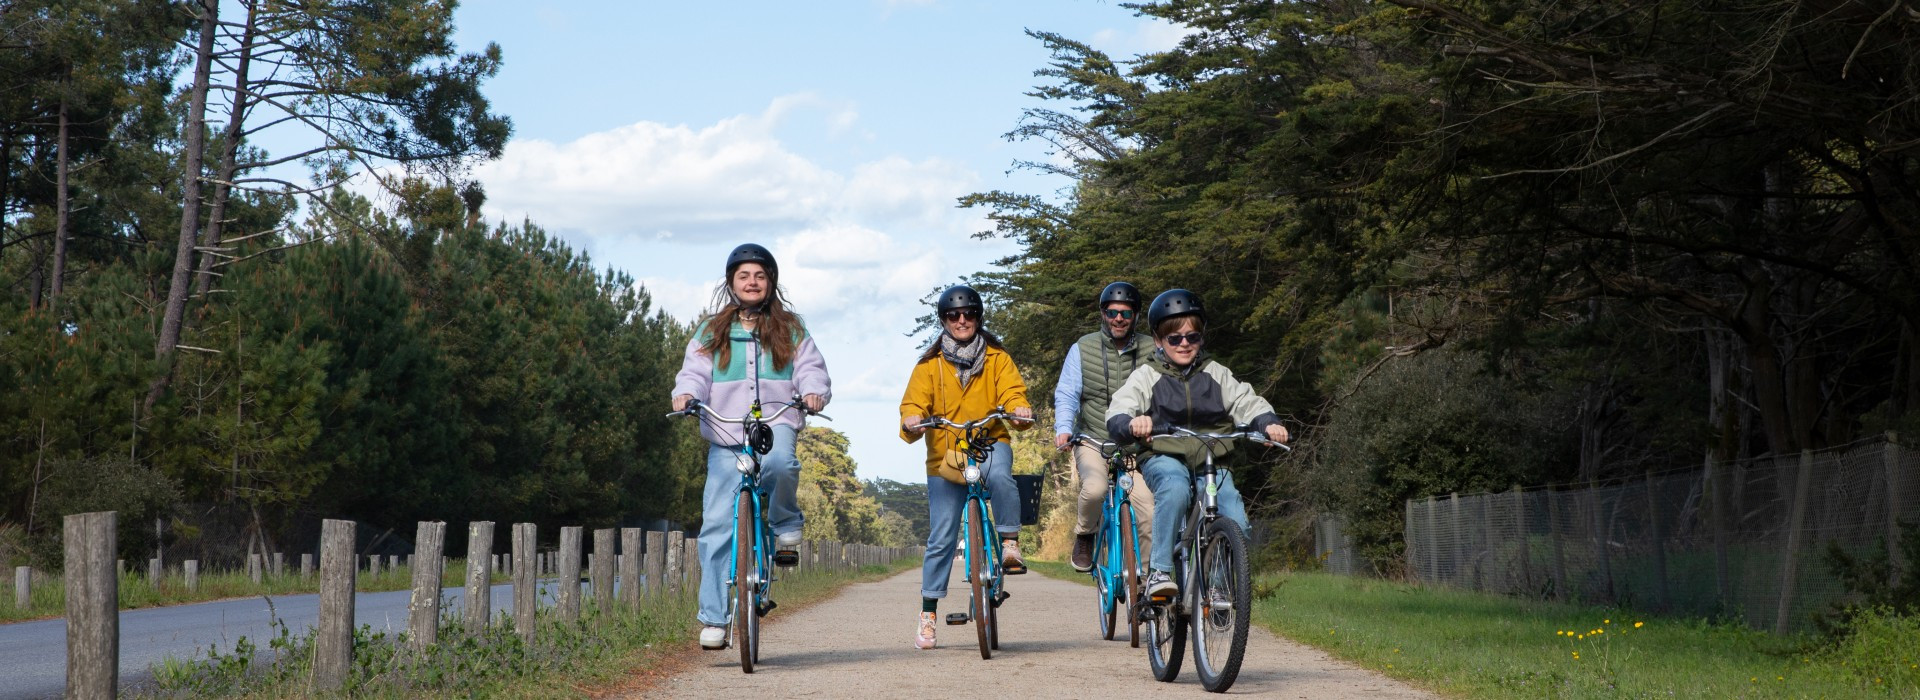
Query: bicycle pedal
x,y
958,618
1001,597
786,557
1014,570
766,607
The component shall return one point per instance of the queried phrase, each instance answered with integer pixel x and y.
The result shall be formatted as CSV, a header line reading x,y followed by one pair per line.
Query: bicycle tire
x,y
1221,581
1130,573
978,571
1166,637
1104,594
746,615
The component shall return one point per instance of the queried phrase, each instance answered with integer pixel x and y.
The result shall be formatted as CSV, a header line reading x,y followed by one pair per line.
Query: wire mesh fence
x,y
1744,539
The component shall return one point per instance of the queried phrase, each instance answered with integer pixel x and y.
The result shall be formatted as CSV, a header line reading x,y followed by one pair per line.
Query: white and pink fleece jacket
x,y
729,391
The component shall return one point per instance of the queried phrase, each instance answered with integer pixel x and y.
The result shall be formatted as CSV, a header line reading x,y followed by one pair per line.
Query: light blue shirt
x,y
1066,393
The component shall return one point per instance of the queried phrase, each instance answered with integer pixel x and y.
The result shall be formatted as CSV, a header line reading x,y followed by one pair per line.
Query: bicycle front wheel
x,y
979,569
1105,594
1130,574
746,575
1223,605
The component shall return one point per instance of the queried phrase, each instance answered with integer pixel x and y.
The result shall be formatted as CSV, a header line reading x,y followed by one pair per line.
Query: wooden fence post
x,y
423,610
630,567
690,556
479,603
22,586
656,563
602,574
279,564
333,641
676,542
373,565
569,591
155,571
306,564
93,605
1790,569
253,568
393,562
525,595
191,570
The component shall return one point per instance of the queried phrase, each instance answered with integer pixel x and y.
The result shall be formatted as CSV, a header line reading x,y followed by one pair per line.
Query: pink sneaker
x,y
924,638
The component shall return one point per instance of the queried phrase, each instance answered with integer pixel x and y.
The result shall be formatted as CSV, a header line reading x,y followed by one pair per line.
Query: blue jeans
x,y
946,499
1172,485
779,483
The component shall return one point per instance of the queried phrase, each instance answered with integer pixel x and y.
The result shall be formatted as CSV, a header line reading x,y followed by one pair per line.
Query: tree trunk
x,y
229,150
174,319
59,218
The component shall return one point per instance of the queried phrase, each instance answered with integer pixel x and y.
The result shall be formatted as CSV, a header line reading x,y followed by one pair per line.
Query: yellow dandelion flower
x,y
1779,678
1606,622
1637,625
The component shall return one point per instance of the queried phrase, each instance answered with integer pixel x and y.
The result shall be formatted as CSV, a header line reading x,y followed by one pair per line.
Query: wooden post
x,y
656,563
279,564
1790,569
603,562
1459,553
569,583
479,605
1891,458
806,554
333,641
525,594
393,562
306,564
191,569
630,567
1524,530
155,571
93,605
253,568
22,587
690,556
373,565
676,545
423,609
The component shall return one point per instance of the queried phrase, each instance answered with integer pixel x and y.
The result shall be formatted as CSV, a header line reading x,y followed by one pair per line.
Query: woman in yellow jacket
x,y
963,376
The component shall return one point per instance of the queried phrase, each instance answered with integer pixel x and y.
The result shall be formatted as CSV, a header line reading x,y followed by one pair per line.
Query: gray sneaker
x,y
1161,586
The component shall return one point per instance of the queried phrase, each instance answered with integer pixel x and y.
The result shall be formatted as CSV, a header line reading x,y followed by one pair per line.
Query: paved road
x,y
33,655
859,644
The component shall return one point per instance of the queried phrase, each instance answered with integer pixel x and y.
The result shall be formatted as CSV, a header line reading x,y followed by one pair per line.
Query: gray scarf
x,y
965,357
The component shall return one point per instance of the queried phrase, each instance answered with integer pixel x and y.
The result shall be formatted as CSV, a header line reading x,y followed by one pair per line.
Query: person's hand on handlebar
x,y
680,402
1061,440
814,403
1277,433
1023,413
1142,426
911,424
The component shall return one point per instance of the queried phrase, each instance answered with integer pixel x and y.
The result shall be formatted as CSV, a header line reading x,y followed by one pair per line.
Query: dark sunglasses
x,y
1120,313
957,314
1179,339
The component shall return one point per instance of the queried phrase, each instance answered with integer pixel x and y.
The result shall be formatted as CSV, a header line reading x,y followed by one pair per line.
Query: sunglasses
x,y
1179,339
1120,313
958,314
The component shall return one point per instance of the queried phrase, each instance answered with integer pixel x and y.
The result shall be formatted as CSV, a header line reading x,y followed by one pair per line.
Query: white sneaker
x,y
787,540
712,637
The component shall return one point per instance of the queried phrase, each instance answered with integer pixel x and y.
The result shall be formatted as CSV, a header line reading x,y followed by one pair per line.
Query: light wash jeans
x,y
946,499
1172,483
779,484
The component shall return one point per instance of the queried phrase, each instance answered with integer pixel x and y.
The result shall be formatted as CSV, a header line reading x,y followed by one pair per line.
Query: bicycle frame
x,y
988,592
1109,555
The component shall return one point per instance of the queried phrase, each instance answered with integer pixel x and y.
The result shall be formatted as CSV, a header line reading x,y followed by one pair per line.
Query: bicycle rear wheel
x,y
1223,598
978,571
746,574
1129,575
1166,632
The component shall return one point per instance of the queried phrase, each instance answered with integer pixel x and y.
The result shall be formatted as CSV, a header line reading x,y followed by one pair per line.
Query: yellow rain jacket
x,y
934,390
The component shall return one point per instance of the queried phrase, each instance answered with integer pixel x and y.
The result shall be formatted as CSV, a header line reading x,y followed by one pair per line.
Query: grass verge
x,y
606,652
1484,646
47,597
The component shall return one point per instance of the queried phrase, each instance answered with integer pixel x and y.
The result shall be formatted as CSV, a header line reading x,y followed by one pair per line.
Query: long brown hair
x,y
777,329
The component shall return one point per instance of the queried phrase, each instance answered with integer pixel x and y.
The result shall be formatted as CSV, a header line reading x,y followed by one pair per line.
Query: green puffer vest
x,y
1102,370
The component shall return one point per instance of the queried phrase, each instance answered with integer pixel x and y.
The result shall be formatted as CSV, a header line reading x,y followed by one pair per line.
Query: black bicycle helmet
x,y
1120,292
959,296
752,253
1175,303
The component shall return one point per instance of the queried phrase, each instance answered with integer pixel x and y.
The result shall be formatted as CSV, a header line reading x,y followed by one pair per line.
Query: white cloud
x,y
1146,35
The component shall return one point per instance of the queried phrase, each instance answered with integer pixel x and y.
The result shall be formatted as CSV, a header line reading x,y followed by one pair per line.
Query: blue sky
x,y
656,136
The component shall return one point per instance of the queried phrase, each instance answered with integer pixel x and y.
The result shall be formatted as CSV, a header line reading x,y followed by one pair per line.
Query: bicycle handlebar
x,y
997,414
1091,441
1255,436
695,406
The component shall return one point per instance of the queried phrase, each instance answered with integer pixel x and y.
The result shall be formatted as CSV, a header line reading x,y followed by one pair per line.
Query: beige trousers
x,y
1093,496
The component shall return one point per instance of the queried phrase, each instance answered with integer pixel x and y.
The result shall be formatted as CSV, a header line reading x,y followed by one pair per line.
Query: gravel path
x,y
859,644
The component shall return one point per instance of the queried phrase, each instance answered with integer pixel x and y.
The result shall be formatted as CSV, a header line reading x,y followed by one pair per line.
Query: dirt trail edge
x,y
859,644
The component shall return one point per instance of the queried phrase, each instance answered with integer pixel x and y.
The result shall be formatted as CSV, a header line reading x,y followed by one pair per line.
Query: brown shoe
x,y
1083,553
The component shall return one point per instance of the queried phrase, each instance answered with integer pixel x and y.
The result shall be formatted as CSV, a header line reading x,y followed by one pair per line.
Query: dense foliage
x,y
1469,244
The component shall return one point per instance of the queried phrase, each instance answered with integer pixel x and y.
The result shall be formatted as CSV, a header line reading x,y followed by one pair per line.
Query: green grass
x,y
1485,646
48,597
566,659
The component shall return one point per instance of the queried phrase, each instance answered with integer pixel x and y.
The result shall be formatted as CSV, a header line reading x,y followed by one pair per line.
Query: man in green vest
x,y
1096,366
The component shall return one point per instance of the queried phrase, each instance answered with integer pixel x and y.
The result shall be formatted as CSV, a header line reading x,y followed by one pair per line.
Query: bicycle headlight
x,y
972,473
1126,481
743,463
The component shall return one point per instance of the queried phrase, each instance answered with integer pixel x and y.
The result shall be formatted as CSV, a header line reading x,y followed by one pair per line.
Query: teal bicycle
x,y
753,557
1117,572
984,573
